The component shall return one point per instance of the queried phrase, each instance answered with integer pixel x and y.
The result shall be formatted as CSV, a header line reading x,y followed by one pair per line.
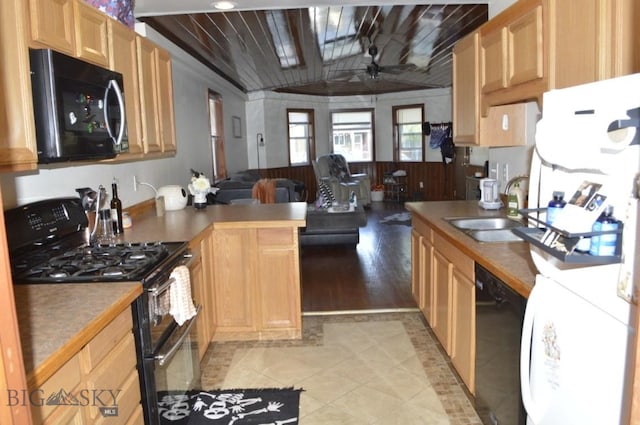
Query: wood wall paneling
x,y
438,179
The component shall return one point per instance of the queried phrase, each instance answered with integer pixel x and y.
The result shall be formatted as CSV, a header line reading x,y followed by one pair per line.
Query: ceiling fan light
x,y
223,5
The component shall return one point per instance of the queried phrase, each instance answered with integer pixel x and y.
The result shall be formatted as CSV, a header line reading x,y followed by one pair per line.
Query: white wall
x,y
267,116
190,83
497,6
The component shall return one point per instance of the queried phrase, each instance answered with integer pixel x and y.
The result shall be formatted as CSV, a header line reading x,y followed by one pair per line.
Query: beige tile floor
x,y
355,369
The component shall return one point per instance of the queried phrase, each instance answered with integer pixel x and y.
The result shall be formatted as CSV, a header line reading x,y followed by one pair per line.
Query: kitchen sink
x,y
483,223
487,229
498,235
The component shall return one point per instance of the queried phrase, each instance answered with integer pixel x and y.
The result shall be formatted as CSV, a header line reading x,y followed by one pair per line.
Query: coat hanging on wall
x,y
439,132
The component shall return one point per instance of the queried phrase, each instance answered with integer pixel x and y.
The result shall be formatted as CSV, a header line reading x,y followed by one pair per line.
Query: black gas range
x,y
49,244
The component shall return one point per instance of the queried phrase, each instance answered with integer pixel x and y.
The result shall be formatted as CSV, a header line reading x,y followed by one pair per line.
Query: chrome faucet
x,y
513,181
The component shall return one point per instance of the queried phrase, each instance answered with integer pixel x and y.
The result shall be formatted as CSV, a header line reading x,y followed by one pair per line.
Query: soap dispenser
x,y
514,201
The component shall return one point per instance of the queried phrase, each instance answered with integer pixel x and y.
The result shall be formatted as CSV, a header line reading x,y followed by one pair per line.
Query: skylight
x,y
336,31
282,38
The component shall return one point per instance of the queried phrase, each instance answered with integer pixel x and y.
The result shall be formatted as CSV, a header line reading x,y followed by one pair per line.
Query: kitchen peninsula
x,y
249,282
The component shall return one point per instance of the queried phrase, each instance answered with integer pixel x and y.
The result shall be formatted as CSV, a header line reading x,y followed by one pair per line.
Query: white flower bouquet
x,y
199,187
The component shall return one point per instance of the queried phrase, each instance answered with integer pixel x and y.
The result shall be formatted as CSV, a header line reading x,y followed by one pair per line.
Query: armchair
x,y
333,170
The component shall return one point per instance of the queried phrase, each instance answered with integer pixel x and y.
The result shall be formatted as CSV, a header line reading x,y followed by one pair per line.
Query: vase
x,y
200,201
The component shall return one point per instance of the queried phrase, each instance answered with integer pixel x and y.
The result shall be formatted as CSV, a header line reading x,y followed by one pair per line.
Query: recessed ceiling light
x,y
224,5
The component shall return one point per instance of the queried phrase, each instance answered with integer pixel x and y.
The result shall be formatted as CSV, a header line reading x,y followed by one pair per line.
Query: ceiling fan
x,y
374,70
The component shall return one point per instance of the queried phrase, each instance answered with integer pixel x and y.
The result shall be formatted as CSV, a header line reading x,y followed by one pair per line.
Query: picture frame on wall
x,y
236,127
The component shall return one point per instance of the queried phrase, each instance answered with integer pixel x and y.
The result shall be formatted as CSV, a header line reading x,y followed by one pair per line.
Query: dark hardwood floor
x,y
375,275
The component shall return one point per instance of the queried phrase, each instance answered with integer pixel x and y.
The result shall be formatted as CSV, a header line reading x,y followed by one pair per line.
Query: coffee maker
x,y
489,195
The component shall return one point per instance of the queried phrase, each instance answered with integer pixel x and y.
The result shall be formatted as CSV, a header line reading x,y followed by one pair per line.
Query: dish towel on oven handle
x,y
181,303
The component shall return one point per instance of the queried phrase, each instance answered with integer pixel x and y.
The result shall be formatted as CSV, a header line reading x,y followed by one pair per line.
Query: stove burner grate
x,y
100,262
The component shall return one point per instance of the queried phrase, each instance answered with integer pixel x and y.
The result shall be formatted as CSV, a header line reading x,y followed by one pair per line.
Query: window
x,y
301,143
219,171
407,121
352,134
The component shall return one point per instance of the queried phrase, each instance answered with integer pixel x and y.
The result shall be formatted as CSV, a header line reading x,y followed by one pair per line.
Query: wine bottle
x,y
116,210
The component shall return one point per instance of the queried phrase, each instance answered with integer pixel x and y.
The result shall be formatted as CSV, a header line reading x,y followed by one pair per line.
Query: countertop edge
x,y
56,360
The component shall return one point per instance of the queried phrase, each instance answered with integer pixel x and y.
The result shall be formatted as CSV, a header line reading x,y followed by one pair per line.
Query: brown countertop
x,y
186,224
57,320
509,261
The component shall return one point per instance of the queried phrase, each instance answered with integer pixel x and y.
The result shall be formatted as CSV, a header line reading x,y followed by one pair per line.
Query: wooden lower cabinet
x,y
278,281
257,283
463,329
443,284
421,270
202,288
442,270
102,374
417,283
234,279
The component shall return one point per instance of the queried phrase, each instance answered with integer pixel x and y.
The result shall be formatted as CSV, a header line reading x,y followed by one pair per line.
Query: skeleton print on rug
x,y
230,407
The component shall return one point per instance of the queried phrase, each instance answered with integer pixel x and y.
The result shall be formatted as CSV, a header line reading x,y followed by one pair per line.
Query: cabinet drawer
x,y
110,374
276,236
99,347
65,415
460,261
128,400
67,378
136,418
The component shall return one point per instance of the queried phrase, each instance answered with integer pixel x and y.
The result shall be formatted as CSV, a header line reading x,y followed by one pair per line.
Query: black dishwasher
x,y
499,315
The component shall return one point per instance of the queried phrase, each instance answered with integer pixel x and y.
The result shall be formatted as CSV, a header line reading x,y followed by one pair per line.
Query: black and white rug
x,y
398,218
267,406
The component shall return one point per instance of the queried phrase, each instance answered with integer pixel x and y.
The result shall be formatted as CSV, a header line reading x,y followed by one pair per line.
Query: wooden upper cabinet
x,y
513,46
71,27
525,41
147,80
18,150
592,40
123,59
91,34
165,100
466,90
493,60
52,24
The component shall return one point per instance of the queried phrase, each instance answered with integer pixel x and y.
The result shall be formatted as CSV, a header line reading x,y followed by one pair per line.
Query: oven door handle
x,y
167,354
190,258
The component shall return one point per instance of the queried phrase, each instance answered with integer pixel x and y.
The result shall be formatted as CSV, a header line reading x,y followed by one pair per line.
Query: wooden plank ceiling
x,y
331,51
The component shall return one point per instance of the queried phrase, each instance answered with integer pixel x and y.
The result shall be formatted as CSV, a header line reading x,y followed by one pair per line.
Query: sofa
x,y
240,186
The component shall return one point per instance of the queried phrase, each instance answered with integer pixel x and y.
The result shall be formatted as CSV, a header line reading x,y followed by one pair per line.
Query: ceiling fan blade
x,y
344,74
398,69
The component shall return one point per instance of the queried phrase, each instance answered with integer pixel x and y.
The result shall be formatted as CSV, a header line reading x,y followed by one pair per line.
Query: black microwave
x,y
78,108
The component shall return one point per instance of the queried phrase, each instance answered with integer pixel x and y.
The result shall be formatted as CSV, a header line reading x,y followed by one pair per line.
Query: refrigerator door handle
x,y
525,357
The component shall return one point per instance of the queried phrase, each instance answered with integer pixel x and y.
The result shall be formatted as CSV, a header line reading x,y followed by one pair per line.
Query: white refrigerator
x,y
576,366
